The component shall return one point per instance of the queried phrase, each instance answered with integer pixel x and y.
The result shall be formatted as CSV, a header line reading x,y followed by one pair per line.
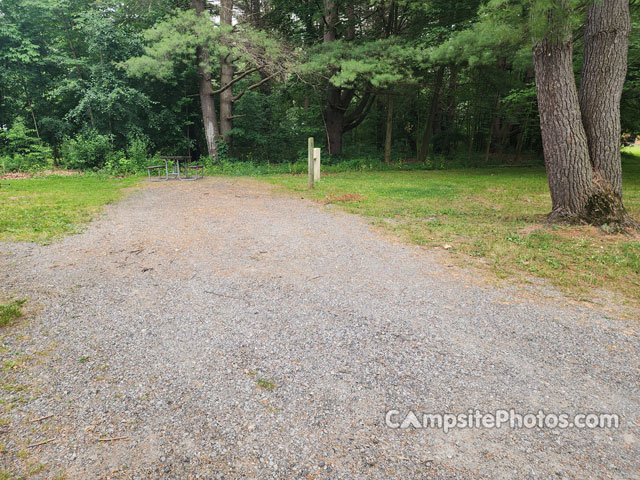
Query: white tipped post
x,y
310,162
316,164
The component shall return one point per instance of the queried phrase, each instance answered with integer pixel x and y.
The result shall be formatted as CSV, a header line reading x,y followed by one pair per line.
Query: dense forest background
x,y
103,85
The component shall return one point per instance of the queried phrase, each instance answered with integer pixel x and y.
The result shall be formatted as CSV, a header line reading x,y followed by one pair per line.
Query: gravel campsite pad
x,y
213,330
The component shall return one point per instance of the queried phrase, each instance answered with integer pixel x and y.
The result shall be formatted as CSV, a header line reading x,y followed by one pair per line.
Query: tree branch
x,y
255,85
357,120
359,108
237,79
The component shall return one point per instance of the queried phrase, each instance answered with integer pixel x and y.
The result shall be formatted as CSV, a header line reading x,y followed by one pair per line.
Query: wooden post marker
x,y
310,162
316,164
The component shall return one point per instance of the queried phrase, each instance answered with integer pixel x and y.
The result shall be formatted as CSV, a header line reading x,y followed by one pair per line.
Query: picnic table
x,y
176,169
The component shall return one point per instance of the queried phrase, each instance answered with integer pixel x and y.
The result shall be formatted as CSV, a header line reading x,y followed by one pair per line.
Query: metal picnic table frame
x,y
175,170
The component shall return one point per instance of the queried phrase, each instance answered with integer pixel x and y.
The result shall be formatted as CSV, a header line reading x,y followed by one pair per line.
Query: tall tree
x,y
191,36
604,68
226,76
336,119
207,103
581,132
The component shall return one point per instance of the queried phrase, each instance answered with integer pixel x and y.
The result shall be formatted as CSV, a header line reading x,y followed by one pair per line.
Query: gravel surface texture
x,y
213,330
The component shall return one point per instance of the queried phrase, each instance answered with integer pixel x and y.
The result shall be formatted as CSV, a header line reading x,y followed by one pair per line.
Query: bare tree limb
x,y
357,120
237,79
362,103
255,85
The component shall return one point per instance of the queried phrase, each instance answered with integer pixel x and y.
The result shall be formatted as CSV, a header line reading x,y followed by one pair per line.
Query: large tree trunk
x,y
226,76
389,129
334,124
206,92
451,97
330,21
581,134
564,141
606,37
338,101
334,110
428,129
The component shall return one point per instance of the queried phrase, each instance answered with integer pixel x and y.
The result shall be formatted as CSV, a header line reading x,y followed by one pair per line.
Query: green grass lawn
x,y
495,216
43,209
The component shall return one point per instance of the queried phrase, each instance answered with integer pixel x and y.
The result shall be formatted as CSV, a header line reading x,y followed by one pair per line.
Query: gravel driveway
x,y
214,330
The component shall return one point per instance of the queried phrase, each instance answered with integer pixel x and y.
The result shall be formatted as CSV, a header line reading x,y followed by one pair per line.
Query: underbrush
x,y
10,312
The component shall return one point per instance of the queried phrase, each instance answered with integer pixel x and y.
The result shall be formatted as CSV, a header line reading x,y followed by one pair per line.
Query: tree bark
x,y
336,99
206,91
606,39
428,129
334,114
226,76
389,131
564,141
330,21
337,103
451,103
334,111
581,133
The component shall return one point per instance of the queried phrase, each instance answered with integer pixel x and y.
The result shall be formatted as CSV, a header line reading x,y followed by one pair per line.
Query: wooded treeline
x,y
440,81
266,74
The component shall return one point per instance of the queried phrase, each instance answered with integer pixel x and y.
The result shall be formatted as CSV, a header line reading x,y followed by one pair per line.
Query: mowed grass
x,y
44,209
494,218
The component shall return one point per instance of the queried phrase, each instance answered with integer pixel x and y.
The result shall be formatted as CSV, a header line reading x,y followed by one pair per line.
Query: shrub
x,y
131,161
22,151
88,150
138,153
10,312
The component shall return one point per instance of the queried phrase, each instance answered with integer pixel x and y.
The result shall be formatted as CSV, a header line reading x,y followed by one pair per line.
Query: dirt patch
x,y
43,173
14,175
530,228
346,198
590,231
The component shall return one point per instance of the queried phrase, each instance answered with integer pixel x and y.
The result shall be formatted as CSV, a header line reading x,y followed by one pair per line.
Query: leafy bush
x,y
222,149
131,161
93,151
138,152
117,163
21,151
88,150
237,168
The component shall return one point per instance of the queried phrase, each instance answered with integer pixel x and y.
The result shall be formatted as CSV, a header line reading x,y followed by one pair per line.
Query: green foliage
x,y
630,104
172,43
222,149
266,384
10,312
126,69
89,150
499,33
133,160
381,62
92,151
21,151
